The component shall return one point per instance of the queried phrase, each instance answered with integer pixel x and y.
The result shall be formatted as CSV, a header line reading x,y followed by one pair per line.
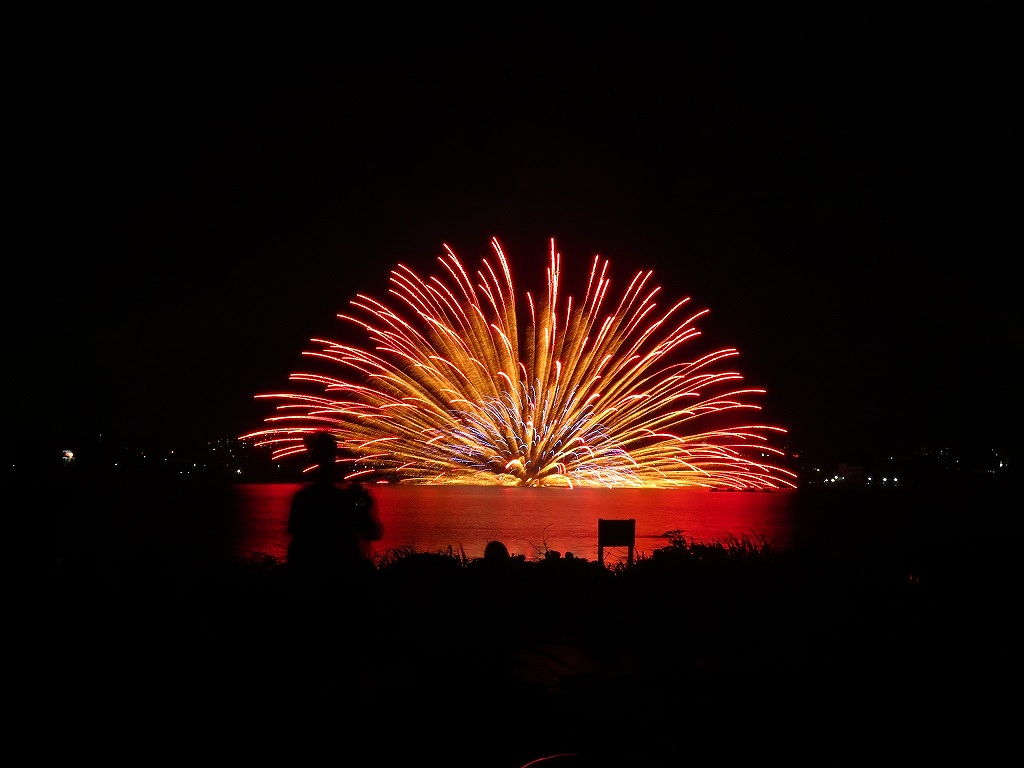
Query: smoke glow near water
x,y
455,387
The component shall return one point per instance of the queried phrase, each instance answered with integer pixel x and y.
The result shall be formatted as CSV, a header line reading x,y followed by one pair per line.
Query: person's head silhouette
x,y
322,447
496,552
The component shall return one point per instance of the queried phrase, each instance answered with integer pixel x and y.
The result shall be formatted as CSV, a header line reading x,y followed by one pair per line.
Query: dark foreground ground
x,y
904,646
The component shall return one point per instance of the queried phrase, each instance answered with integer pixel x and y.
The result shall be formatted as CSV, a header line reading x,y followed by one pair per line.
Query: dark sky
x,y
195,197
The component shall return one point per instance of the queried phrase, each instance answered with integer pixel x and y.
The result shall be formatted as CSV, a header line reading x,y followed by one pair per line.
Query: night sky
x,y
195,197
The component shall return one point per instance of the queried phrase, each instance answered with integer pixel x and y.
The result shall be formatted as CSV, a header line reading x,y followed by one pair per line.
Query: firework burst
x,y
457,391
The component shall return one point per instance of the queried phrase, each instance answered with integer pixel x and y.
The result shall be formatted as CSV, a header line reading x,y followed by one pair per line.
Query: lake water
x,y
530,521
228,521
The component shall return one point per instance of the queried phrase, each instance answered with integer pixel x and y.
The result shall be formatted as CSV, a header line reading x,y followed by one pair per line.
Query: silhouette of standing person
x,y
332,527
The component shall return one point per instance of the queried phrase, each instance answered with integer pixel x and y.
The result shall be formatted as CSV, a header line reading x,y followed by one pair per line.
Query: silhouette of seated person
x,y
332,527
496,554
497,564
497,595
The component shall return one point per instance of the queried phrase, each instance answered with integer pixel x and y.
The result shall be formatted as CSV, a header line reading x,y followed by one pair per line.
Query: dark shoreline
x,y
910,611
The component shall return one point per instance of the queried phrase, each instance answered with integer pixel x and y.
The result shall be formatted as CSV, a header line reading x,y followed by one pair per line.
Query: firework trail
x,y
455,391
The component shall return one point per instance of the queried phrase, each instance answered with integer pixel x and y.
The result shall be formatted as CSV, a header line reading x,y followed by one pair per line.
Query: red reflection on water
x,y
530,521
